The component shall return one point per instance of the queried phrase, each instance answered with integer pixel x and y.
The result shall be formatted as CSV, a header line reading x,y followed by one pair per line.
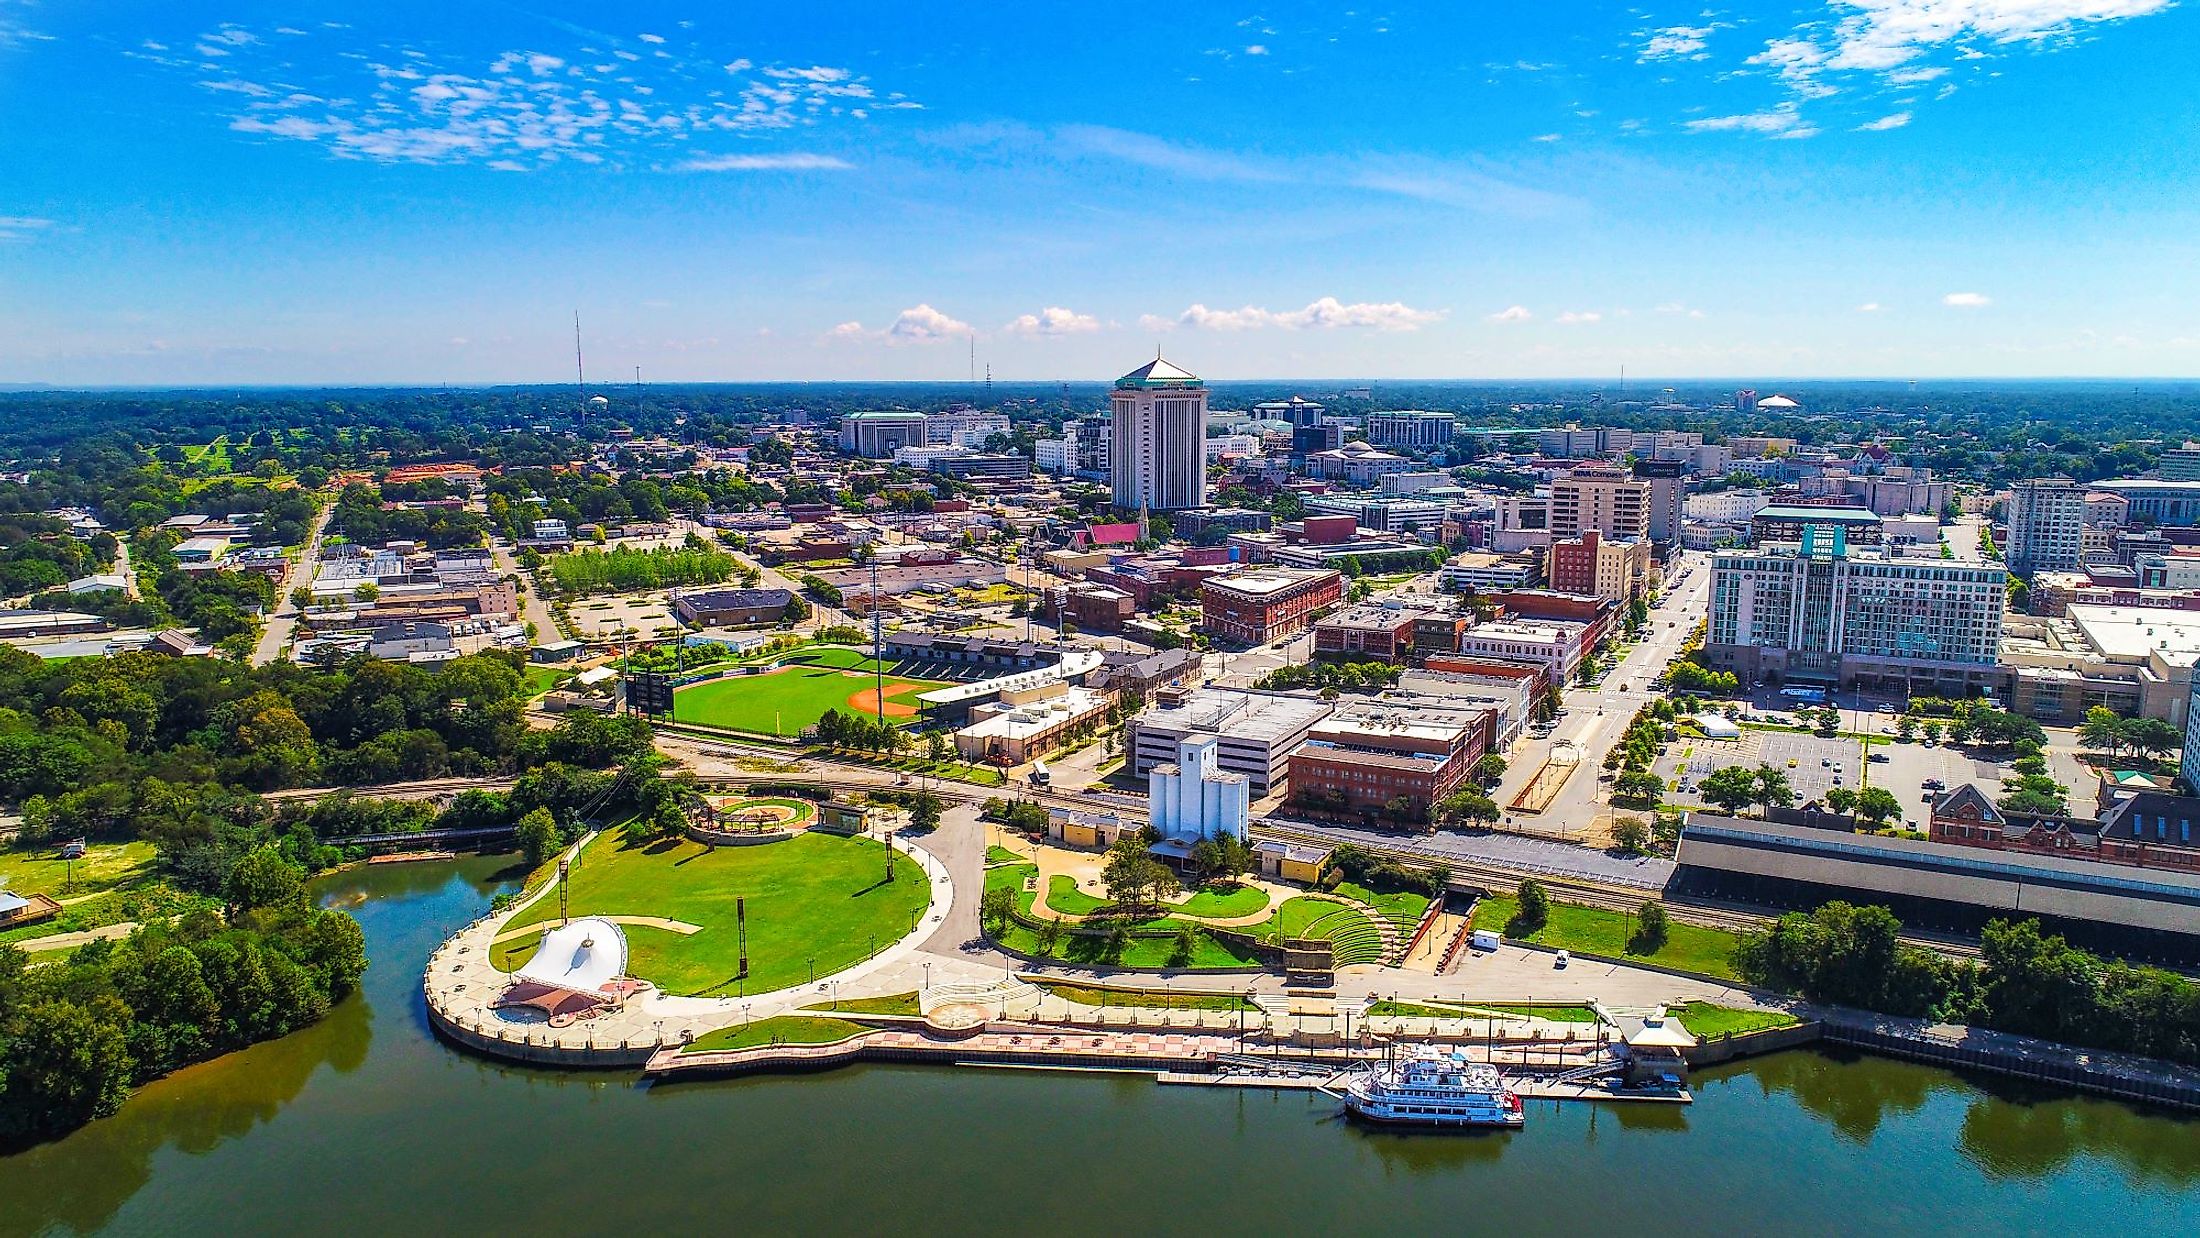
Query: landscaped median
x,y
786,1029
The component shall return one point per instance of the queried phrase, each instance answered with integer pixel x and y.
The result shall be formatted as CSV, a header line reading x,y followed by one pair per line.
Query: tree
x,y
1841,800
1906,728
1651,928
1639,787
1050,934
1630,835
1464,807
66,1064
1134,878
996,907
538,836
1773,788
1534,909
2152,737
1489,770
1875,806
2102,730
1732,788
924,812
263,879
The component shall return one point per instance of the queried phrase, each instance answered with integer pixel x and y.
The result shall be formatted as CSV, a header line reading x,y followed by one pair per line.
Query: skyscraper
x,y
1600,497
2046,525
1667,480
1157,459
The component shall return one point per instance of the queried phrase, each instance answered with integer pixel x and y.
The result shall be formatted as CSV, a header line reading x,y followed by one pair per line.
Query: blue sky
x,y
403,192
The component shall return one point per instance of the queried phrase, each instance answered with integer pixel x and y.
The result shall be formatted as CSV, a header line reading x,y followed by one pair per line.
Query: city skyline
x,y
1875,188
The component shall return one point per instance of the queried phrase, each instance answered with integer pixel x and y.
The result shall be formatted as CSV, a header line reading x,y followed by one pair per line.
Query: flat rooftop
x,y
2131,633
1268,581
1259,716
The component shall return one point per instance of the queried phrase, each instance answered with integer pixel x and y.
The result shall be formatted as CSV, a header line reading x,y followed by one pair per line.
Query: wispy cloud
x,y
764,163
1512,313
593,102
1868,307
1675,43
1784,120
1967,300
1893,120
1575,318
1053,320
1328,313
22,227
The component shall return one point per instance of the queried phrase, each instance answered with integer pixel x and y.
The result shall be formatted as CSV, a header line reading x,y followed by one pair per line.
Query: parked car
x,y
1934,784
1562,959
1879,757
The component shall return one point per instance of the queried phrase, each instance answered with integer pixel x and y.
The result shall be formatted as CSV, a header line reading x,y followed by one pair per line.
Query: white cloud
x,y
1544,137
1512,313
792,162
1572,318
921,324
1967,300
846,331
1868,307
22,227
1256,49
1053,320
1884,123
1772,122
1328,313
1675,43
650,38
532,107
1678,309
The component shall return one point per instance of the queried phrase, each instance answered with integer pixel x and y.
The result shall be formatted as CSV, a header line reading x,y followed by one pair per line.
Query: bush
x,y
1534,911
1651,929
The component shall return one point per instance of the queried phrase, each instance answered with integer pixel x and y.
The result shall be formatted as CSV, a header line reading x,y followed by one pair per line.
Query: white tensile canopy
x,y
584,956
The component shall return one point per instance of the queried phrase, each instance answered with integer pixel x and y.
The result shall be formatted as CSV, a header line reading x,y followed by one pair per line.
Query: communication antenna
x,y
973,357
988,382
580,373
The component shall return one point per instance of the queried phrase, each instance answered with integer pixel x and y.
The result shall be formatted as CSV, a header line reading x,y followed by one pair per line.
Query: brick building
x,y
1616,569
1390,758
1381,632
1254,608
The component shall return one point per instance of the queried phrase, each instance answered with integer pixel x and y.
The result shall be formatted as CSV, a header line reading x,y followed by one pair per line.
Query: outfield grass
x,y
786,1029
1705,1021
1597,931
813,897
787,702
105,866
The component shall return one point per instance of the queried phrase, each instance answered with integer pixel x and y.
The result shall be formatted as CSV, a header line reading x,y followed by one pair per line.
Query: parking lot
x,y
1809,763
600,618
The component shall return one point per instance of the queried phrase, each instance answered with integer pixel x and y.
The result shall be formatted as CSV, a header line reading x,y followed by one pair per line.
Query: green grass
x,y
786,702
786,1029
1223,904
541,679
1064,896
897,1003
1146,999
105,866
1208,951
1549,1014
1597,931
141,903
1705,1021
812,897
1402,906
1002,855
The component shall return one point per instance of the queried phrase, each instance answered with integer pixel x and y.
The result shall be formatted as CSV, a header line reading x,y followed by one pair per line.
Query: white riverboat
x,y
1431,1087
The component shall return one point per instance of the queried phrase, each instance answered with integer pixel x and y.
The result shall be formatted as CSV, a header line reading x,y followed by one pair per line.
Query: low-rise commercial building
x,y
1258,730
1267,604
733,608
1380,632
1391,758
1025,724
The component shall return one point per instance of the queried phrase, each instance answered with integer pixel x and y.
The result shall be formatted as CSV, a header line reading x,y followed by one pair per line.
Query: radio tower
x,y
579,372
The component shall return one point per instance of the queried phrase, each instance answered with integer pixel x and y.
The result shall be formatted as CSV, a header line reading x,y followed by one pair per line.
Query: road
x,y
532,608
275,634
1597,717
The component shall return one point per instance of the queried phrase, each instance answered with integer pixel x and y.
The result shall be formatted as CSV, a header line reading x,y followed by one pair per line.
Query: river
x,y
366,1120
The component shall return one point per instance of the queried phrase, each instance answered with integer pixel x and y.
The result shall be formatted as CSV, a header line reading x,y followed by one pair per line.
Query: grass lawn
x,y
1597,931
1705,1021
105,866
785,1029
1064,896
541,679
1549,1014
1001,855
1144,999
896,1003
1224,903
1402,905
786,702
1152,952
813,897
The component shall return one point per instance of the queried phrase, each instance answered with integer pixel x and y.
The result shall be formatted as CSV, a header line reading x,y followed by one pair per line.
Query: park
x,y
812,905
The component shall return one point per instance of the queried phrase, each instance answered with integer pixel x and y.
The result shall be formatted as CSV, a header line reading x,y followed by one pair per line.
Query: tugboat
x,y
1430,1087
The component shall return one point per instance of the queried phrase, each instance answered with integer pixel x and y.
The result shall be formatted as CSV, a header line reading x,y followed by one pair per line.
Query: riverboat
x,y
1433,1088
